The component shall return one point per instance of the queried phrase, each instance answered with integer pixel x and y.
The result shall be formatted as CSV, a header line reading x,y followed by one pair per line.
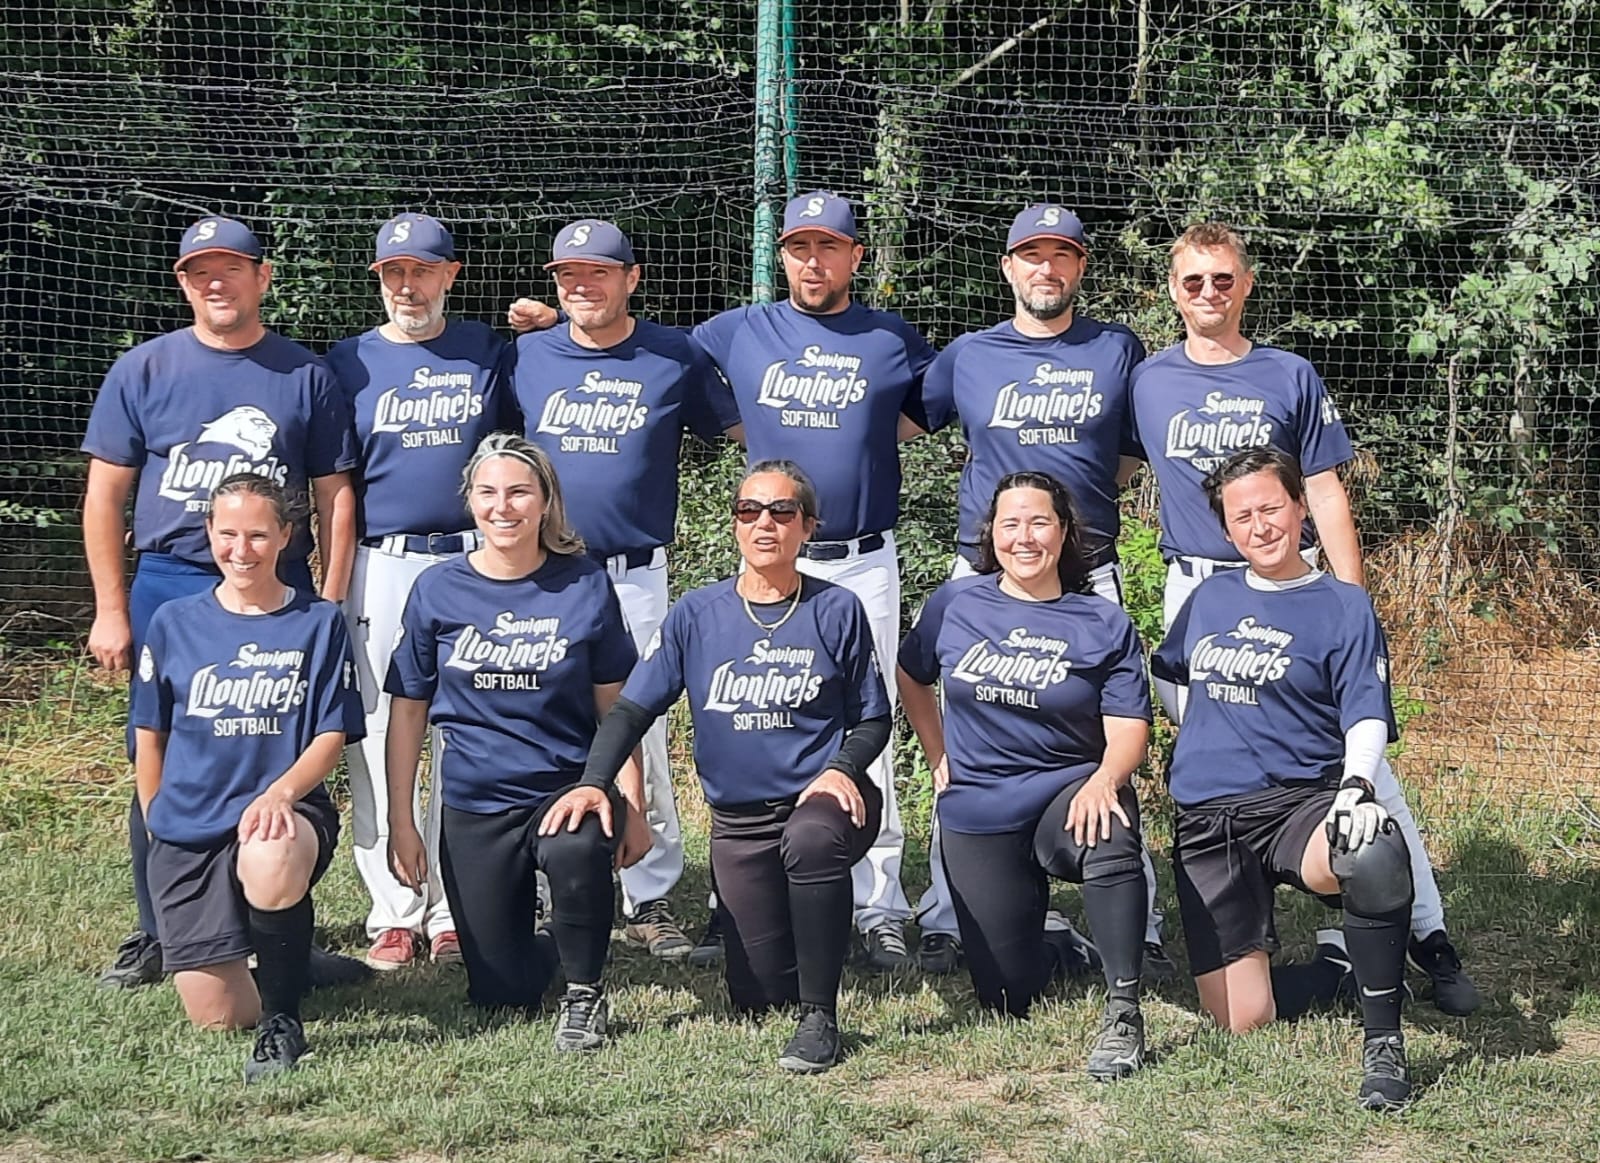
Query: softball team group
x,y
493,521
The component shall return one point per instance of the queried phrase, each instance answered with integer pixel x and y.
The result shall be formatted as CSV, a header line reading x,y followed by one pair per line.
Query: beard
x,y
1046,304
412,321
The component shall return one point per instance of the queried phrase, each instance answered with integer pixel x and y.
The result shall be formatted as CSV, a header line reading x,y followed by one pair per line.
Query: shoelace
x,y
269,1043
1385,1057
131,949
654,913
891,939
581,1009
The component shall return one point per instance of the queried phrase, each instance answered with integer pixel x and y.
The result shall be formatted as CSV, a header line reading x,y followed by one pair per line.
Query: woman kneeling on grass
x,y
1288,714
243,699
514,651
789,709
1046,716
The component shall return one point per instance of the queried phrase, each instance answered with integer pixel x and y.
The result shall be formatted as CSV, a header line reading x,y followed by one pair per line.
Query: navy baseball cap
x,y
414,236
591,240
819,210
218,235
1046,221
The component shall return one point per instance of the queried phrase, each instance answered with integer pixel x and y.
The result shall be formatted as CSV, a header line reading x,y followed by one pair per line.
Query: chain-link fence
x,y
1418,183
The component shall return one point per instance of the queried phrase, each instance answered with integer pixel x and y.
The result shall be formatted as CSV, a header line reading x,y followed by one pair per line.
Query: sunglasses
x,y
747,511
1222,283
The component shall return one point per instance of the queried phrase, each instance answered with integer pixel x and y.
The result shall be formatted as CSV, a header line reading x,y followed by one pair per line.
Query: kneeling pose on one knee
x,y
1046,715
514,651
243,697
1288,714
789,710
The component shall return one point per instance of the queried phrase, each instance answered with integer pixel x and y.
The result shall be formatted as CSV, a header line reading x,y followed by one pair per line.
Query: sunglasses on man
x,y
1222,283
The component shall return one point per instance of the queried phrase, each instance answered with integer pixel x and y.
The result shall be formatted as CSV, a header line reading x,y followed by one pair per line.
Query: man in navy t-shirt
x,y
174,417
1206,398
833,386
1045,391
609,396
423,391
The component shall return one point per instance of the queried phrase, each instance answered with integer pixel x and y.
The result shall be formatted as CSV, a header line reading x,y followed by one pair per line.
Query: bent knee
x,y
815,845
220,997
276,874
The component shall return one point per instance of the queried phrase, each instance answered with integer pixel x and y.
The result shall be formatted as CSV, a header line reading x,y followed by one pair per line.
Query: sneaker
x,y
886,948
938,953
1075,954
330,969
1453,991
1158,967
1119,1050
582,1018
445,948
1384,1086
280,1044
138,962
709,951
815,1045
655,930
394,949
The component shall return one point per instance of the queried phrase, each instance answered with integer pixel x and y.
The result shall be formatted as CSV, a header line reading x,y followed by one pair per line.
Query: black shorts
x,y
201,915
1229,854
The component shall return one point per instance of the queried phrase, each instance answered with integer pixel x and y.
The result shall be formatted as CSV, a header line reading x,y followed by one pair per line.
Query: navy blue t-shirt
x,y
769,708
1190,417
510,667
1275,679
242,697
420,410
613,419
1026,686
826,391
187,415
1057,405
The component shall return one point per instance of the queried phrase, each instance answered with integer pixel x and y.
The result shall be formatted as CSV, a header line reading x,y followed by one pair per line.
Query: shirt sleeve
x,y
657,681
919,653
1324,443
1130,439
715,336
330,430
114,433
865,696
500,397
1170,661
611,651
414,665
1359,667
919,358
939,388
150,701
334,700
709,408
1125,692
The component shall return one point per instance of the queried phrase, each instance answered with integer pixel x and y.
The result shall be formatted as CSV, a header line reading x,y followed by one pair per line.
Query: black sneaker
x,y
138,962
330,969
1119,1050
280,1044
582,1019
654,929
886,947
1453,991
815,1045
1075,954
1384,1086
1158,967
939,953
708,951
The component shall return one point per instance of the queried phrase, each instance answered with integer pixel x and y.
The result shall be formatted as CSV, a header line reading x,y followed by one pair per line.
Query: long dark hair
x,y
1073,566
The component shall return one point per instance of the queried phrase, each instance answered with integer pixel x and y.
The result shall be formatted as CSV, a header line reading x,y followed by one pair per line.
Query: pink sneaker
x,y
394,949
446,948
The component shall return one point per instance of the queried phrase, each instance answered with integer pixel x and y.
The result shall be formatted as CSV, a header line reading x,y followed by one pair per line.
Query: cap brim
x,y
1066,238
592,260
828,230
193,254
427,258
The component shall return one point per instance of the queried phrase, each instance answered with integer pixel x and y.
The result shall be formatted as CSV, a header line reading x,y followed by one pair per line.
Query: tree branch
x,y
999,51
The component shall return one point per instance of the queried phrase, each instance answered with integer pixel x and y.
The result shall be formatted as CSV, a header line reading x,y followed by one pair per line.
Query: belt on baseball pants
x,y
1203,567
618,564
435,544
839,550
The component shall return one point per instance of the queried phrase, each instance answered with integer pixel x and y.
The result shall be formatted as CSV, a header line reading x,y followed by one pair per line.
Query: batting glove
x,y
1355,818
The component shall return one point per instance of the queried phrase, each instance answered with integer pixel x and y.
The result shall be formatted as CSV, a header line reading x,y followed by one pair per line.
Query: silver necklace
x,y
794,604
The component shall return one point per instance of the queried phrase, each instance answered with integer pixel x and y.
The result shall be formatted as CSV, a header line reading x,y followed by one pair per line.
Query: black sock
x,y
820,914
1116,907
1377,948
1298,986
282,941
139,855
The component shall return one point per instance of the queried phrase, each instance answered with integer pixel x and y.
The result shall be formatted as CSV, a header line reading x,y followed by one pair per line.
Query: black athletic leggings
x,y
999,884
783,884
490,865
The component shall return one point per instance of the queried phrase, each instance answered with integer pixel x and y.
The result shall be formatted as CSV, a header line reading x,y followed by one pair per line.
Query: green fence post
x,y
769,114
791,106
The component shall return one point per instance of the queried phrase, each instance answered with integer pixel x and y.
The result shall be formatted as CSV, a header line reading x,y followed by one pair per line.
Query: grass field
x,y
403,1070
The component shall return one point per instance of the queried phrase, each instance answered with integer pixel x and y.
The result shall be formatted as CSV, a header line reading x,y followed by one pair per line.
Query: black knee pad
x,y
1375,879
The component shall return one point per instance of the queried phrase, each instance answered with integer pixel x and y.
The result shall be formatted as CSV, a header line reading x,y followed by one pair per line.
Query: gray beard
x,y
1047,312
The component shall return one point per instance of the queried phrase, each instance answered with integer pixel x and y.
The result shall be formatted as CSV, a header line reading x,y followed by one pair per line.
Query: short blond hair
x,y
1205,236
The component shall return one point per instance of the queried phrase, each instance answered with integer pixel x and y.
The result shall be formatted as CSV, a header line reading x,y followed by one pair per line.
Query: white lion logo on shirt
x,y
247,428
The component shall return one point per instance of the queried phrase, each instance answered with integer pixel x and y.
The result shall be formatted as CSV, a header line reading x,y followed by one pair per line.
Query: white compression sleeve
x,y
1363,749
